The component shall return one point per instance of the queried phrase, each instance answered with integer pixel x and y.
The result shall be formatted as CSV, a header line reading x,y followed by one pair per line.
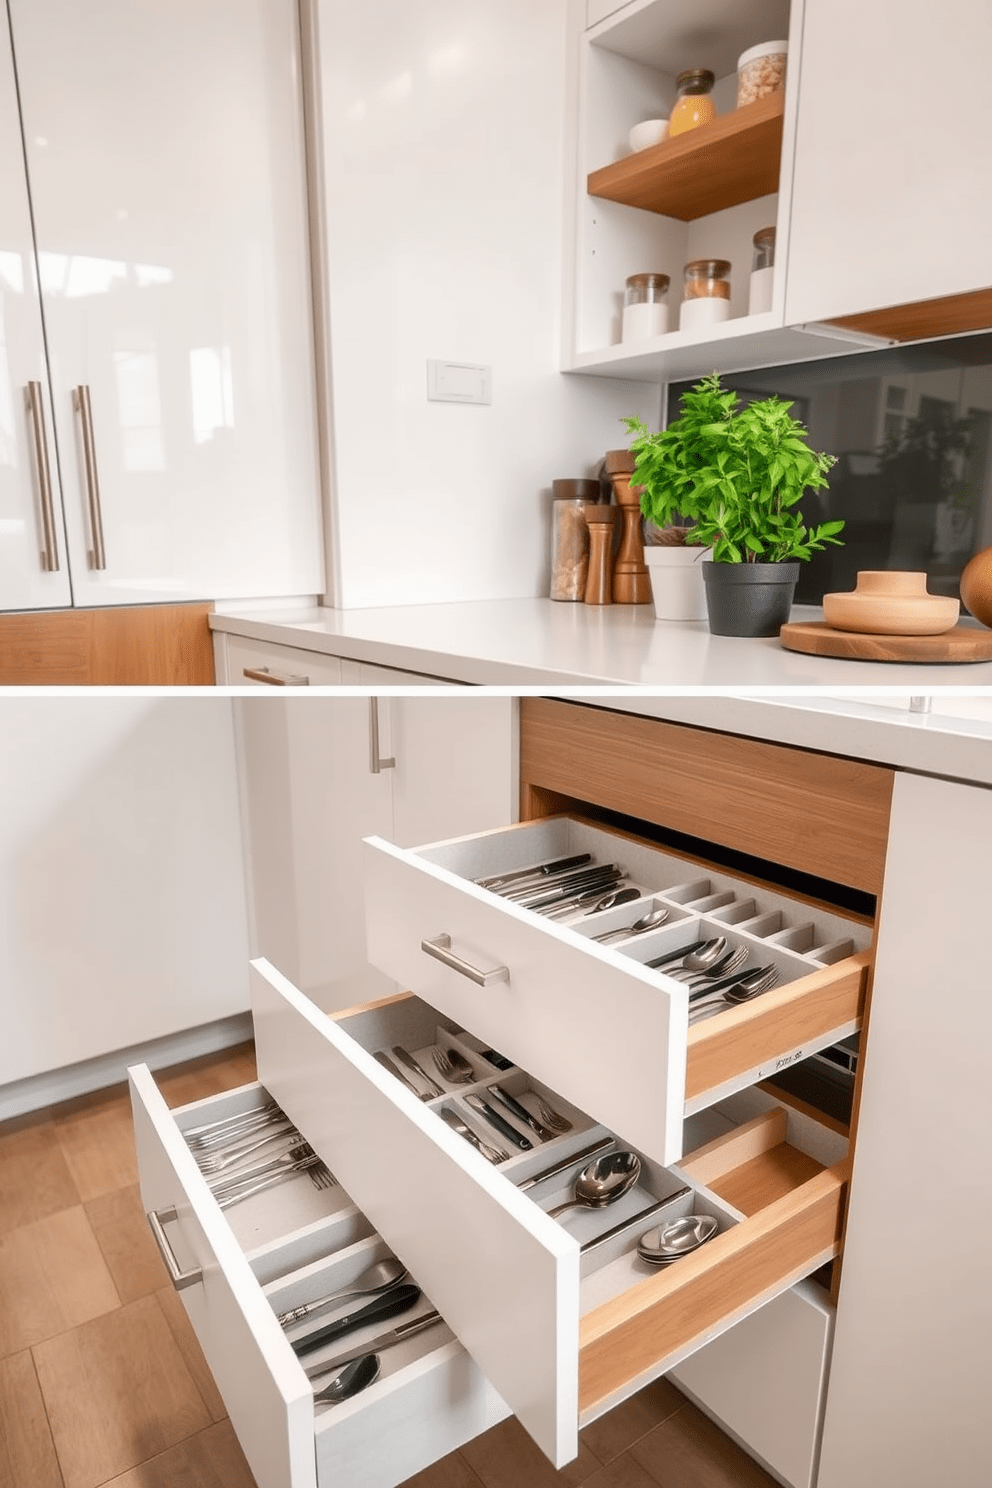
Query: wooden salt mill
x,y
601,520
631,580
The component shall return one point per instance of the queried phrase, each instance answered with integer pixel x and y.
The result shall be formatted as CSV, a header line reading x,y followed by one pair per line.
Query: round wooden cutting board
x,y
962,644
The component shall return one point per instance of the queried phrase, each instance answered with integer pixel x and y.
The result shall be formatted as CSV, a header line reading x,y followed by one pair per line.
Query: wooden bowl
x,y
891,603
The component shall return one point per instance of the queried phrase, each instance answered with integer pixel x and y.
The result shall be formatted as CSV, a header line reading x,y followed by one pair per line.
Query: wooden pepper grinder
x,y
631,580
601,520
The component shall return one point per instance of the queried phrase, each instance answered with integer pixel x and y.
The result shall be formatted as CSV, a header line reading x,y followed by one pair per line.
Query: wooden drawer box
x,y
580,1321
595,1021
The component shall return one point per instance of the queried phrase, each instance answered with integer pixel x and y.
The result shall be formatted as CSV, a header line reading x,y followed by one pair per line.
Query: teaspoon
x,y
602,1182
355,1376
375,1279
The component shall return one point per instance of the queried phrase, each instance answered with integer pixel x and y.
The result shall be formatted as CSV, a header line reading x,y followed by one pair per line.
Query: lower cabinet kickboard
x,y
619,1341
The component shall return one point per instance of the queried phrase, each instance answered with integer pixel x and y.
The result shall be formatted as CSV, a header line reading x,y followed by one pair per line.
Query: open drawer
x,y
237,1269
548,996
559,1316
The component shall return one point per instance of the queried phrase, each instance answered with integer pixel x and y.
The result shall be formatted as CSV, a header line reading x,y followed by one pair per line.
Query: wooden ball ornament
x,y
976,586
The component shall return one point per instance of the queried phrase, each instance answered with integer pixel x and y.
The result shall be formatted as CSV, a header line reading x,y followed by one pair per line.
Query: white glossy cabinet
x,y
165,158
312,792
893,139
119,822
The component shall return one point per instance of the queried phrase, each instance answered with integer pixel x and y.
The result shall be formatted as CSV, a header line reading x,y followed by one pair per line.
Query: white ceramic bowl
x,y
648,132
891,603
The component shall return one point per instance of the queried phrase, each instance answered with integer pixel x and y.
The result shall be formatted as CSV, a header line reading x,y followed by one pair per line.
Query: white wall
x,y
444,178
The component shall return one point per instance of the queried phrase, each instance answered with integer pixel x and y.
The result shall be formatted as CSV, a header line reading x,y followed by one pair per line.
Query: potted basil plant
x,y
738,474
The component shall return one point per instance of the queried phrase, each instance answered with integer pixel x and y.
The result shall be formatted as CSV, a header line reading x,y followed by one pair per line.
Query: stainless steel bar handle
x,y
81,404
36,410
376,762
157,1219
440,949
274,679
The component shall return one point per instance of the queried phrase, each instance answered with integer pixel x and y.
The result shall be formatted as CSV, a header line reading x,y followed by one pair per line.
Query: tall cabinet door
x,y
34,572
166,162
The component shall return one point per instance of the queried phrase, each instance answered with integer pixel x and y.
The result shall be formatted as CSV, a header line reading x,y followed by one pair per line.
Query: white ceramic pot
x,y
677,581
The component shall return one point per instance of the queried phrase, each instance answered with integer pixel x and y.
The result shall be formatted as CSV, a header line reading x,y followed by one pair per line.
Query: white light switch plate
x,y
459,382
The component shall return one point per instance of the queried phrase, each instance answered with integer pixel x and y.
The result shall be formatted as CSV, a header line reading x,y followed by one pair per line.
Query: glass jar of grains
x,y
645,306
705,292
570,537
760,71
694,106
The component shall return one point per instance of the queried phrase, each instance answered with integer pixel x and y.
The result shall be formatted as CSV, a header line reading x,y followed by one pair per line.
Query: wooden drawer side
x,y
707,1291
775,1025
815,813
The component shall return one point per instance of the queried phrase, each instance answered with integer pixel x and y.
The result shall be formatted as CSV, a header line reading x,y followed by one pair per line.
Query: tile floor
x,y
102,1383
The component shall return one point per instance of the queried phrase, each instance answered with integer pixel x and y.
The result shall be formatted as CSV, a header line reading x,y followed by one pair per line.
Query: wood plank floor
x,y
102,1382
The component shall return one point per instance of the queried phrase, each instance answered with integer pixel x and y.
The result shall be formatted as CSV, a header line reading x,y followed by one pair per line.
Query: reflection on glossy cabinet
x,y
166,168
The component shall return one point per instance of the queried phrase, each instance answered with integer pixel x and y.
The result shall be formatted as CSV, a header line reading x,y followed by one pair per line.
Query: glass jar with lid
x,y
645,306
762,271
705,292
694,106
570,537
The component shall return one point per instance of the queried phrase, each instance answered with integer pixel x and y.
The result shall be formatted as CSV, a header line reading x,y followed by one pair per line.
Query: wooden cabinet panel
x,y
136,646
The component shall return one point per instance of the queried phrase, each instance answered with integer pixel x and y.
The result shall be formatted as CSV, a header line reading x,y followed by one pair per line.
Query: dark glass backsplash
x,y
911,427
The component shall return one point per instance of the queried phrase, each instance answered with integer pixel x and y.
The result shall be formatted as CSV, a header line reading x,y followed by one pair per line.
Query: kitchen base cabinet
x,y
765,1381
582,1322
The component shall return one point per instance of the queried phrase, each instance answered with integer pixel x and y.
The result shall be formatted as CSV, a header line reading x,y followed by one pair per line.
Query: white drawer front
x,y
265,1390
610,1034
503,1275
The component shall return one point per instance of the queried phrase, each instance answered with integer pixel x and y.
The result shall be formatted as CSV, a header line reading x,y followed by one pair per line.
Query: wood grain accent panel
x,y
815,813
733,159
949,315
629,1335
780,1020
767,1177
124,646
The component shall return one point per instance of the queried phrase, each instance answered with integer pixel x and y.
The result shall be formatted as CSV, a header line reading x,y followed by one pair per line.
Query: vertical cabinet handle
x,y
158,1219
376,762
36,412
81,404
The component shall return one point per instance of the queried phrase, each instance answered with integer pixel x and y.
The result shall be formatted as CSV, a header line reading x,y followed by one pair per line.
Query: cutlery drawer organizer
x,y
553,995
580,1323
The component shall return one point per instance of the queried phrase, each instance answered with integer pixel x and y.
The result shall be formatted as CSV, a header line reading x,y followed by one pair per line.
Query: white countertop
x,y
523,643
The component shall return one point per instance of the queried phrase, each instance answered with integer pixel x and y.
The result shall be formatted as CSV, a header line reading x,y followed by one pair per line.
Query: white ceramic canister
x,y
705,293
645,307
677,586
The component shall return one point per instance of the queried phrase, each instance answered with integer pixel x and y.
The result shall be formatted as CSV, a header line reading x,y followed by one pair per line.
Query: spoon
x,y
378,1278
355,1376
705,955
602,1182
646,922
610,901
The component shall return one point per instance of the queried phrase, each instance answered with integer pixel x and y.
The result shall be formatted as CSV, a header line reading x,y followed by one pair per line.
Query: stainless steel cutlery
x,y
380,1277
375,1346
388,1064
453,1066
488,1113
408,1062
521,1112
398,1299
493,1154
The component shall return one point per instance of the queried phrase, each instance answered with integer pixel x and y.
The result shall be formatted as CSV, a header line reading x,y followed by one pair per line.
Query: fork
x,y
731,962
552,1118
301,1159
460,1073
216,1162
717,1002
320,1177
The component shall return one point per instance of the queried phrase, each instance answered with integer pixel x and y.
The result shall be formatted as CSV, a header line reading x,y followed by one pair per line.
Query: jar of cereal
x,y
761,70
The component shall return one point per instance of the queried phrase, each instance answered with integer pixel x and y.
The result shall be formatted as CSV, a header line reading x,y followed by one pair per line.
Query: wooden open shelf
x,y
734,159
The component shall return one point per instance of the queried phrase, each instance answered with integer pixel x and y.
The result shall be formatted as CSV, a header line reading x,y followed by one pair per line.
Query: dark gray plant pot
x,y
749,599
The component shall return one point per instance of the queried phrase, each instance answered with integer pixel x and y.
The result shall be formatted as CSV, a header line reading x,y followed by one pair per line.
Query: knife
x,y
408,1061
568,1162
675,955
539,870
388,1064
384,1340
520,1111
495,1119
400,1299
572,883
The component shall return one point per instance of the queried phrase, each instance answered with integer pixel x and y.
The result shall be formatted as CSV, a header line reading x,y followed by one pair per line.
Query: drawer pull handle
x,y
274,679
440,949
158,1219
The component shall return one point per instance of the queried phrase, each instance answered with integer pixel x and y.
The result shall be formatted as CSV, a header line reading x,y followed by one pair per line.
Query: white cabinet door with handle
x,y
165,158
